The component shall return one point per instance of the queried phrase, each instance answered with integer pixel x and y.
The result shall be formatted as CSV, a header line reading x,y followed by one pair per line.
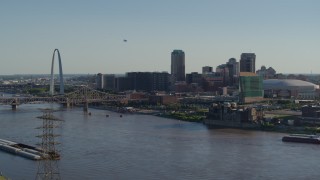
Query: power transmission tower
x,y
48,167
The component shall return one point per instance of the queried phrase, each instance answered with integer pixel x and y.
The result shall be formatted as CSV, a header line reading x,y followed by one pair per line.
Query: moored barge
x,y
25,151
302,138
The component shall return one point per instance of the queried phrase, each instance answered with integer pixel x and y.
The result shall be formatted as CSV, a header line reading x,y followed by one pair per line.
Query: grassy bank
x,y
184,116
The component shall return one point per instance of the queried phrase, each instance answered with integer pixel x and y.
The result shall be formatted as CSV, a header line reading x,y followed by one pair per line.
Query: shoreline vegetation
x,y
200,117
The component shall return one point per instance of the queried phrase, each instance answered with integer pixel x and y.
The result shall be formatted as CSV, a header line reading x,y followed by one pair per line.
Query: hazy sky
x,y
284,34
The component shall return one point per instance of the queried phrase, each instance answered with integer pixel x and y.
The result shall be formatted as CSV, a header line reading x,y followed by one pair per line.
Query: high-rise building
x,y
233,67
149,81
123,84
109,82
248,62
266,73
141,81
160,81
99,81
251,88
206,69
194,77
178,65
223,70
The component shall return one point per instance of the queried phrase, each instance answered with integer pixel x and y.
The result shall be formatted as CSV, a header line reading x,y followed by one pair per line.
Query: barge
x,y
23,150
302,138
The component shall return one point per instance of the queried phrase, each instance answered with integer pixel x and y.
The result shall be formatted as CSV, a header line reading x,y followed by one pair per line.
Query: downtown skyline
x,y
90,35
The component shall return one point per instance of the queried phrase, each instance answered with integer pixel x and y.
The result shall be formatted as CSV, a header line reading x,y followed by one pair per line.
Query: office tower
x,y
233,67
160,81
178,65
149,81
266,73
123,83
206,69
248,62
251,88
194,77
141,81
223,70
99,81
109,82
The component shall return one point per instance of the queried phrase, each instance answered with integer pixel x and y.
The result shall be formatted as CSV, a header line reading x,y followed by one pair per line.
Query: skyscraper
x,y
233,67
178,65
109,81
248,62
99,81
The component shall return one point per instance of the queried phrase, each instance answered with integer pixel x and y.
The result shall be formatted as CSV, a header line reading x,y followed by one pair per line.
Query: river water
x,y
148,147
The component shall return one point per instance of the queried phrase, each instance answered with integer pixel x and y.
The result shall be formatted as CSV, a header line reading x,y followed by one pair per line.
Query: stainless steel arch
x,y
60,74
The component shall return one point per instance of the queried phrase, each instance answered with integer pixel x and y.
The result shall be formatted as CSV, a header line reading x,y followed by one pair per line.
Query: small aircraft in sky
x,y
124,40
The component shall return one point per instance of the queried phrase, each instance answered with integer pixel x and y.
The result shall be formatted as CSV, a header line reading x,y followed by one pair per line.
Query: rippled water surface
x,y
148,147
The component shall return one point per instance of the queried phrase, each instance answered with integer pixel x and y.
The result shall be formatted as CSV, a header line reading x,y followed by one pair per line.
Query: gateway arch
x,y
60,74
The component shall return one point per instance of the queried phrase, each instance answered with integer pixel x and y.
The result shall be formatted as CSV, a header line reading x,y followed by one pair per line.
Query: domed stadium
x,y
289,88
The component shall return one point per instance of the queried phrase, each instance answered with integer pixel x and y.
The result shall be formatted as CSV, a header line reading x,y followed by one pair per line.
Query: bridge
x,y
83,95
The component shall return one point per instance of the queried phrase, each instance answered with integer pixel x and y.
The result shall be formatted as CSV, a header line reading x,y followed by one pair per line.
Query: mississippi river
x,y
148,147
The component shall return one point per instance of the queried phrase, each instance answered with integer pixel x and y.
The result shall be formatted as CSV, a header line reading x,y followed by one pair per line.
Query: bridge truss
x,y
80,96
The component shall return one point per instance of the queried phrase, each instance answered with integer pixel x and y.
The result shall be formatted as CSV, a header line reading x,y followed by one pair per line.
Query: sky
x,y
284,34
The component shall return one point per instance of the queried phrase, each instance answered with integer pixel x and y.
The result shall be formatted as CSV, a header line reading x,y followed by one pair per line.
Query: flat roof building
x,y
250,87
248,62
178,65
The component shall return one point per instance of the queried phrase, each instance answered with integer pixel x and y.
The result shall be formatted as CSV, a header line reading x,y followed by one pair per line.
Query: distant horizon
x,y
312,74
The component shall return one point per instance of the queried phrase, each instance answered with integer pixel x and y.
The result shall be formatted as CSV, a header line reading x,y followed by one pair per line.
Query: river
x,y
148,147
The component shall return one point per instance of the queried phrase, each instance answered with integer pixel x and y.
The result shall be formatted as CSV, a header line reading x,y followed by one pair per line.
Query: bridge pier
x,y
85,107
14,104
66,105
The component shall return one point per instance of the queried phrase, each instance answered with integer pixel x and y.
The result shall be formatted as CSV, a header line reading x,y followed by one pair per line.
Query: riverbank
x,y
269,127
263,127
182,117
127,111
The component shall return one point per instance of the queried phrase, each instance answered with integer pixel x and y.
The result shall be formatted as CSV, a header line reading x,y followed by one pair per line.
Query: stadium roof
x,y
288,84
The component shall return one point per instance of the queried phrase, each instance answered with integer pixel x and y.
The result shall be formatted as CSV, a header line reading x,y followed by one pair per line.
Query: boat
x,y
302,138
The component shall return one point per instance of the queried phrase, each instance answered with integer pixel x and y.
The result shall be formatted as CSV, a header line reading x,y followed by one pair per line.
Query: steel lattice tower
x,y
48,167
